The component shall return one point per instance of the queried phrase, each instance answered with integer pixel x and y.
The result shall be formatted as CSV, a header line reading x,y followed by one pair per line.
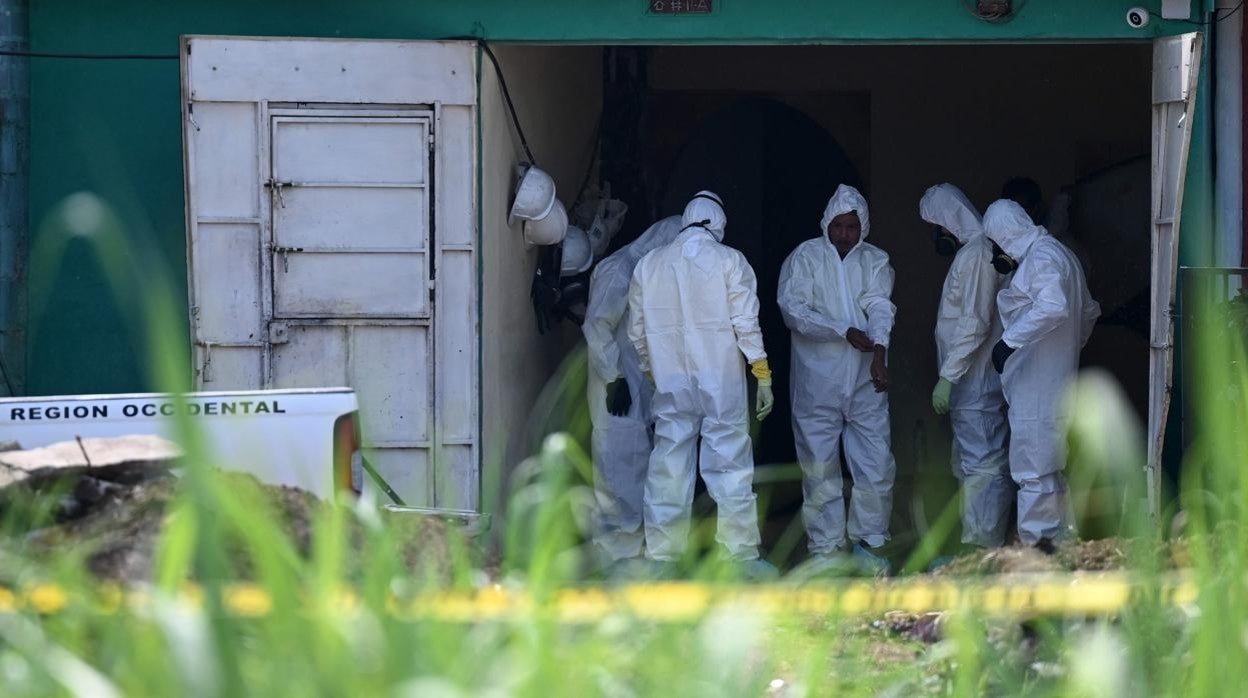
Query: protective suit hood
x,y
706,210
661,234
1008,225
945,205
844,200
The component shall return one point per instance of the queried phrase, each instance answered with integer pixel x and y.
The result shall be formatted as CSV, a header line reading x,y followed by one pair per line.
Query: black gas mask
x,y
947,244
698,224
1002,262
706,221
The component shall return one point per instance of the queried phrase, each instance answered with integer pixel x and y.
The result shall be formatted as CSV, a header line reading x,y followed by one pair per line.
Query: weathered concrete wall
x,y
557,93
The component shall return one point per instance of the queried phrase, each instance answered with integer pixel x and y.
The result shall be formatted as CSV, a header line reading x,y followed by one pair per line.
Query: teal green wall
x,y
1196,242
112,127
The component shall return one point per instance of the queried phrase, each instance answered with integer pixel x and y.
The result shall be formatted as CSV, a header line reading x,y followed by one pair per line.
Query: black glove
x,y
1000,353
546,290
619,399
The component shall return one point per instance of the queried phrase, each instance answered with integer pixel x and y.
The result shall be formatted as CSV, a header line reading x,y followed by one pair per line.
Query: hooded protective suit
x,y
693,314
967,326
1048,316
822,296
621,444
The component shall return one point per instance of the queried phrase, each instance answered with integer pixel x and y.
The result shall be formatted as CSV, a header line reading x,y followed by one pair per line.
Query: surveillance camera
x,y
1137,18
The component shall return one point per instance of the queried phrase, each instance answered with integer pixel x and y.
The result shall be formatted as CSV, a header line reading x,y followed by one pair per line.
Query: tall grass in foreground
x,y
309,643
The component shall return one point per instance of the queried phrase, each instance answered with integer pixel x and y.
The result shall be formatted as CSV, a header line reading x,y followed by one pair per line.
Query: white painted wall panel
x,y
455,482
457,181
457,366
331,70
352,218
344,284
408,472
457,474
227,264
229,368
390,371
225,165
313,356
360,150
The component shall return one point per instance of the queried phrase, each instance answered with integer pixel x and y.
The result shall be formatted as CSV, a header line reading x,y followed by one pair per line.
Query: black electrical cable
x,y
507,96
1229,13
92,56
7,383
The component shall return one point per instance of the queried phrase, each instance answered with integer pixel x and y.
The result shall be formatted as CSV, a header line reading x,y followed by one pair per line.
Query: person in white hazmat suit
x,y
619,398
834,295
969,390
1048,315
693,315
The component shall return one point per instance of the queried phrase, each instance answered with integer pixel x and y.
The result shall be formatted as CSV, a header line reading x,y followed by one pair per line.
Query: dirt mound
x,y
111,517
1089,556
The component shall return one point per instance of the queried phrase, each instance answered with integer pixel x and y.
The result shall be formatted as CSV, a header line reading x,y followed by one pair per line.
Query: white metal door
x,y
349,196
347,123
1176,70
350,207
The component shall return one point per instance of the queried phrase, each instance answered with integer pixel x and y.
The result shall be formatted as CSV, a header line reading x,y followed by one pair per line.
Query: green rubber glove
x,y
940,396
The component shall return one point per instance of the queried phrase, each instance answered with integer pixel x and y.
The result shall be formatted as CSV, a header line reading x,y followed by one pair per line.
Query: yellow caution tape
x,y
1067,594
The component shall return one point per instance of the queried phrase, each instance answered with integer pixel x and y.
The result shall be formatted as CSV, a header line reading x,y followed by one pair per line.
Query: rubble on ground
x,y
124,459
921,627
1083,556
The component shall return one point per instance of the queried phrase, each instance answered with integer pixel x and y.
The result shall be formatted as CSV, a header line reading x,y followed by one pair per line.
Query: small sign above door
x,y
680,7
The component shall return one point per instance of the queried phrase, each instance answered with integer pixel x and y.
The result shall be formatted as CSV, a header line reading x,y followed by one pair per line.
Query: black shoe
x,y
1045,546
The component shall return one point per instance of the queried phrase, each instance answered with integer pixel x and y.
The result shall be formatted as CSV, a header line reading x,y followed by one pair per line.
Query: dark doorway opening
x,y
774,129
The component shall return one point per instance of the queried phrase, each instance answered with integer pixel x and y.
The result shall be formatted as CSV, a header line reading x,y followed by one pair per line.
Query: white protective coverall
x,y
1048,316
967,326
693,315
822,296
621,444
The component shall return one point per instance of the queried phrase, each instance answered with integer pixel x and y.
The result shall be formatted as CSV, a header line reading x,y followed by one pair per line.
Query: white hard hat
x,y
578,255
549,229
535,195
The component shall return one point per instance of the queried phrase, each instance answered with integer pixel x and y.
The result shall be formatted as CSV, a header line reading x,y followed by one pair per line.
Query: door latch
x,y
278,333
276,187
285,253
205,371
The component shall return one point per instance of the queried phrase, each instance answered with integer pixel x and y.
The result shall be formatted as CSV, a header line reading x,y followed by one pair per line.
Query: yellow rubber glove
x,y
764,399
761,371
940,396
